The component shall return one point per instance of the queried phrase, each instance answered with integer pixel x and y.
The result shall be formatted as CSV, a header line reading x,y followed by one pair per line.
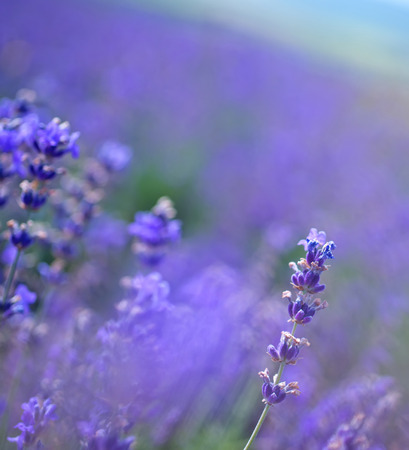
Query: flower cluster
x,y
275,392
288,349
306,281
30,151
37,414
31,156
155,231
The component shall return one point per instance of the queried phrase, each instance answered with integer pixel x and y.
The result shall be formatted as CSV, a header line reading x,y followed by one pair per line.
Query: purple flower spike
x,y
155,231
34,420
306,280
55,139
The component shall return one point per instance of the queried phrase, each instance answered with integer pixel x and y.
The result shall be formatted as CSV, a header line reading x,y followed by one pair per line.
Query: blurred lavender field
x,y
255,144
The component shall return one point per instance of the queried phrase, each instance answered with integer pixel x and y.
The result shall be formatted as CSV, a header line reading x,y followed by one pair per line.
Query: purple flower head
x,y
155,230
150,292
25,296
103,441
288,348
34,420
20,302
54,273
308,271
31,198
319,236
302,311
307,281
114,156
42,171
55,139
276,393
20,236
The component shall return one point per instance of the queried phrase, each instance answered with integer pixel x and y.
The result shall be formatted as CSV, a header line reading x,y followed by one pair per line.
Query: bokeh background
x,y
260,119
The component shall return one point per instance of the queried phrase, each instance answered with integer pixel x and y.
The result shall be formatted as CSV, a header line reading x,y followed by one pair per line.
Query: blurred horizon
x,y
370,36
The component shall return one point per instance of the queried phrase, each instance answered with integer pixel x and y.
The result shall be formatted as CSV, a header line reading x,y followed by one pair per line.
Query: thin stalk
x,y
258,426
267,407
11,276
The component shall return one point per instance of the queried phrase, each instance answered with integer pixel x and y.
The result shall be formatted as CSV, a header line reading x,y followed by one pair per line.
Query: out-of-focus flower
x,y
35,418
314,235
155,231
20,236
103,441
114,156
55,139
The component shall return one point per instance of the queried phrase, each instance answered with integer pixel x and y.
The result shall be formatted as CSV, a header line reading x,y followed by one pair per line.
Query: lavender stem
x,y
11,276
267,407
258,426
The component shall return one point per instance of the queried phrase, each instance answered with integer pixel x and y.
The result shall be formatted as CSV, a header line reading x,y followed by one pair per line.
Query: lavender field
x,y
164,184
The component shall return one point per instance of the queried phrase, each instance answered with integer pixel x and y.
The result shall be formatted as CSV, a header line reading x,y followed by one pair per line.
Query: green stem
x,y
279,373
258,426
267,407
11,276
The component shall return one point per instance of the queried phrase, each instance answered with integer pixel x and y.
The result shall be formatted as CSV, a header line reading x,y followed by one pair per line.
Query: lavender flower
x,y
114,156
314,235
32,198
288,349
307,276
275,392
55,139
301,312
155,231
34,420
20,237
109,442
42,171
20,302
